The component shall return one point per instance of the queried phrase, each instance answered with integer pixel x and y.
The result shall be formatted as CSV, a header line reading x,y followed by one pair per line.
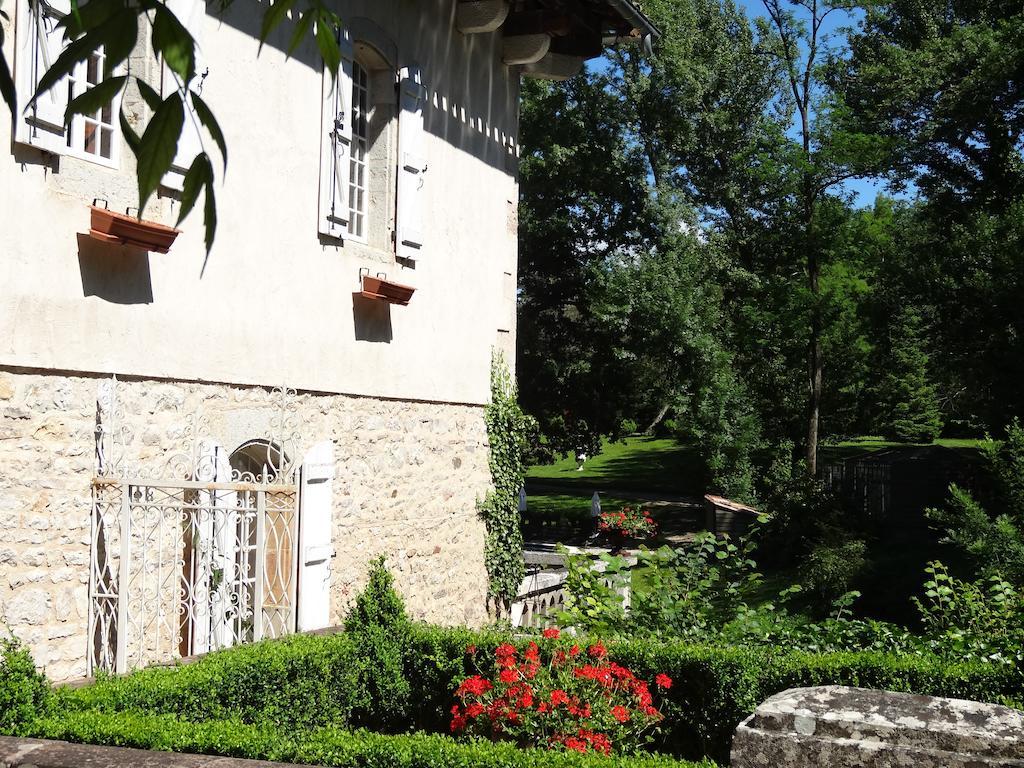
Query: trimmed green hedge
x,y
324,746
304,683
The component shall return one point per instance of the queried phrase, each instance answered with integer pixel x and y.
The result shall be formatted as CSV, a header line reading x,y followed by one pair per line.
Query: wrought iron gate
x,y
194,555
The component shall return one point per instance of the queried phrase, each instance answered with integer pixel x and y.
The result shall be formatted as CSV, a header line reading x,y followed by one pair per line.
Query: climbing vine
x,y
506,431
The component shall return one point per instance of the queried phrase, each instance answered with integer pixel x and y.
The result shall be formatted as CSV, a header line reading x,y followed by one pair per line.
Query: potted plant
x,y
111,227
627,523
381,288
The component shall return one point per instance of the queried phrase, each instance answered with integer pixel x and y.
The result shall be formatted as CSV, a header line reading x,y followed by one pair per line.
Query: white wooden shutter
x,y
336,142
412,164
39,44
192,14
316,503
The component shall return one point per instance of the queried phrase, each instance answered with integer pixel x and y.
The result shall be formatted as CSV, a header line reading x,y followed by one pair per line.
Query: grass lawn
x,y
870,444
637,463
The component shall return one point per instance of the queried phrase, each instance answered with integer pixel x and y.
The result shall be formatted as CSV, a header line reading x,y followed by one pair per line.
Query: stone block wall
x,y
843,727
407,479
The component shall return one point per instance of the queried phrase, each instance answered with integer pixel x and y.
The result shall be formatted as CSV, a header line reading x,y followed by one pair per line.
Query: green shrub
x,y
379,631
304,683
326,746
299,681
23,691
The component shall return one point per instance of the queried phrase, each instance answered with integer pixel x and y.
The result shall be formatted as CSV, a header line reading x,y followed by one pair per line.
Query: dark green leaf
x,y
210,216
174,42
94,99
7,84
327,40
206,117
120,35
158,146
272,17
130,136
301,29
149,95
77,51
90,15
199,174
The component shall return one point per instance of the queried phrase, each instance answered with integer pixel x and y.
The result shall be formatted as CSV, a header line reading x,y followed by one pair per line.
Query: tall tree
x,y
942,83
795,33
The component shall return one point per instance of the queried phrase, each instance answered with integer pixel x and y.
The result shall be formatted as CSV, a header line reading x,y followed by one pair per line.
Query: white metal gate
x,y
194,555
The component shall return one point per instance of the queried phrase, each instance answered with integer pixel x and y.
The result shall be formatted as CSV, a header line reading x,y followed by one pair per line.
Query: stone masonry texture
x,y
408,476
844,727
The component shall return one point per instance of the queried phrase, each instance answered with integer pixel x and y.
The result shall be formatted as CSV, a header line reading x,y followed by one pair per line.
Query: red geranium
x,y
550,695
634,523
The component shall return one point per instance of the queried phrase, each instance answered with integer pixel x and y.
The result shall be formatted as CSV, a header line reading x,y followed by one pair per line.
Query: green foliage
x,y
379,630
982,620
993,538
906,397
278,700
507,427
23,690
831,569
330,746
297,682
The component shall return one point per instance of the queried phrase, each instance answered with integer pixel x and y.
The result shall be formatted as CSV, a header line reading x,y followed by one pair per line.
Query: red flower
x,y
470,650
620,713
458,723
508,676
475,710
542,707
574,651
475,685
505,651
575,744
597,650
663,681
551,634
558,696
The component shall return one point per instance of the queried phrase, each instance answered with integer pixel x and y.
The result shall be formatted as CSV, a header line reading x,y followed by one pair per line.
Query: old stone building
x,y
198,450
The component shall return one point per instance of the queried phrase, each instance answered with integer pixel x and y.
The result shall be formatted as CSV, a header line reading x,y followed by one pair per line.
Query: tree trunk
x,y
657,419
815,368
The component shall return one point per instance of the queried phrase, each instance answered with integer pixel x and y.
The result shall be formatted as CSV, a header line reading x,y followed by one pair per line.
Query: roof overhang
x,y
553,38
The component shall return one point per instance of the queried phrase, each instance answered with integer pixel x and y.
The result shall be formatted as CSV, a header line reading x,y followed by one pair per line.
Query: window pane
x,y
106,140
90,137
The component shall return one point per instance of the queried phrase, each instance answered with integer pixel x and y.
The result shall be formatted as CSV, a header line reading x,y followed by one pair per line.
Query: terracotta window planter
x,y
382,289
111,227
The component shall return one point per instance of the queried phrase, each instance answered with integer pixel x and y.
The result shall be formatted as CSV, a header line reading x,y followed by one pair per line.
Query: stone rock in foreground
x,y
843,727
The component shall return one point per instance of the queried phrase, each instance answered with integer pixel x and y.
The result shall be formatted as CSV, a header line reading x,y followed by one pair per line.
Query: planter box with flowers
x,y
627,523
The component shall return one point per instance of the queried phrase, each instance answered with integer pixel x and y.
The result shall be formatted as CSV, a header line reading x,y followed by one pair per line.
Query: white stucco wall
x,y
274,304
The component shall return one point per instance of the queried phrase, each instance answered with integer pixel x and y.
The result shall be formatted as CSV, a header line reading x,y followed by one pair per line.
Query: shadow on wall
x,y
474,109
115,273
372,319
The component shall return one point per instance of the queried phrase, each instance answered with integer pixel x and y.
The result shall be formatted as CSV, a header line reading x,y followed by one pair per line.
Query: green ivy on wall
x,y
506,432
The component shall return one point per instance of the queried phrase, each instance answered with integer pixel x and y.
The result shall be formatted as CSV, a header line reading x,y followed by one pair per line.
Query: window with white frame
x,y
359,170
39,42
359,164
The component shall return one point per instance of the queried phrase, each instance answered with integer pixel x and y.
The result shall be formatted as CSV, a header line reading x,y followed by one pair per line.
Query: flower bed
x,y
559,696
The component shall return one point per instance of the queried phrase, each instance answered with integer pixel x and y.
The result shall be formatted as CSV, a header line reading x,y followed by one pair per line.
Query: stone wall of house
x,y
408,476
